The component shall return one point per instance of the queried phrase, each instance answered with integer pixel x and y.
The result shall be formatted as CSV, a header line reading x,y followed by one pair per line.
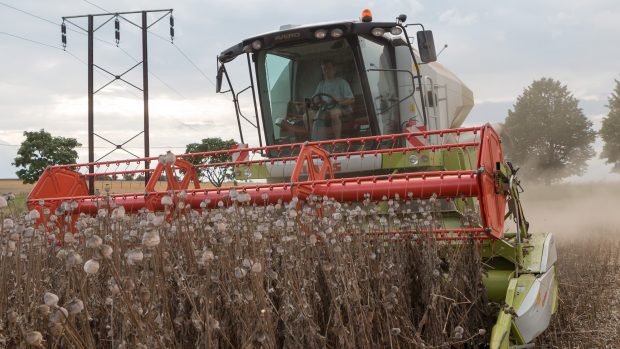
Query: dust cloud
x,y
573,210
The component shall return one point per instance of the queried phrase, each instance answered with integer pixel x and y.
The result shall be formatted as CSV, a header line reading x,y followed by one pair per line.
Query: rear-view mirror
x,y
426,46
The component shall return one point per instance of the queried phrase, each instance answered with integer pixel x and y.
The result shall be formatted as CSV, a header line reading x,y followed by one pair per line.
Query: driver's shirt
x,y
337,88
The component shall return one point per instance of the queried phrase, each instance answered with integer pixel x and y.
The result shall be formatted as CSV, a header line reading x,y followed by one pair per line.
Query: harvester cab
x,y
351,112
378,82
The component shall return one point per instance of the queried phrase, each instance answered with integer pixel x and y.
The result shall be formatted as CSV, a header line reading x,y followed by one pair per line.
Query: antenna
x,y
445,46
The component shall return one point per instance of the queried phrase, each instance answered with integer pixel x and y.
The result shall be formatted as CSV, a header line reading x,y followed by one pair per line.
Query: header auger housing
x,y
310,170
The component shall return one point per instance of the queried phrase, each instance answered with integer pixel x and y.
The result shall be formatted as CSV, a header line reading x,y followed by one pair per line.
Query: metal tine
x,y
476,134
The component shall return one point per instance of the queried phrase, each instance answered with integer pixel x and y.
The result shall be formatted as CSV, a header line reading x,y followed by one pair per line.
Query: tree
x,y
215,174
41,149
610,130
551,137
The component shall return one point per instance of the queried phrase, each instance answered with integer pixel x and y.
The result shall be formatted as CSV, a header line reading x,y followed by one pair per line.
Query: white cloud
x,y
453,16
499,99
564,18
499,36
597,122
590,97
173,124
606,20
501,11
556,33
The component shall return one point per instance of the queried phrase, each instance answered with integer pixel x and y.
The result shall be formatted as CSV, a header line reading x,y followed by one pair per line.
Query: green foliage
x,y
16,204
104,178
550,136
610,130
217,174
41,149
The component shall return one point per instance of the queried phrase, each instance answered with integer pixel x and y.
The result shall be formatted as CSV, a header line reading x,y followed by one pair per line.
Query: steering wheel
x,y
323,101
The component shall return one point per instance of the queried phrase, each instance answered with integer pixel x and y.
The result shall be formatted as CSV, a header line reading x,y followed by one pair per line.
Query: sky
x,y
497,48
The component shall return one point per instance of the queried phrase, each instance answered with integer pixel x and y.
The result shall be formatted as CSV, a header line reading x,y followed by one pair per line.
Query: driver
x,y
330,110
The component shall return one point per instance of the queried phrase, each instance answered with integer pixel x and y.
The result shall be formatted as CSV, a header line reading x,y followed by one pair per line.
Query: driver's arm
x,y
345,101
347,94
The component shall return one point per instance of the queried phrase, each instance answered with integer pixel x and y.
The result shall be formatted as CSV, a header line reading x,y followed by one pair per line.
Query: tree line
x,y
40,149
546,134
550,138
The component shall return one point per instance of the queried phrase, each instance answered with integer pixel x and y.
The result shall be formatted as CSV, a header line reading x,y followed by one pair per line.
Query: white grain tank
x,y
448,99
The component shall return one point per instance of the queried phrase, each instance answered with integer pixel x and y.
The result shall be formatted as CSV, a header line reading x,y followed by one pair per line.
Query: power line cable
x,y
28,13
52,22
113,44
194,64
107,42
186,57
42,44
74,56
130,56
49,21
32,41
98,39
51,46
153,74
166,40
97,6
85,63
78,58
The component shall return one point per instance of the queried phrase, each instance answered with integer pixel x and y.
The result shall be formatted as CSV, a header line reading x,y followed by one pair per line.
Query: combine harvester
x,y
397,138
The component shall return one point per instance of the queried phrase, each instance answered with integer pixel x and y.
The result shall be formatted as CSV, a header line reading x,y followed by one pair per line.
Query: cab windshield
x,y
301,103
314,91
379,66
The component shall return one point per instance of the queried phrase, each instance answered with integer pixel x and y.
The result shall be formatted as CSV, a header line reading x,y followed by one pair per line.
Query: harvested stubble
x,y
274,276
589,281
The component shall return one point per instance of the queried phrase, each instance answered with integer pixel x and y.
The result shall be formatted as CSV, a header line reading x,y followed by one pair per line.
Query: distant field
x,y
14,186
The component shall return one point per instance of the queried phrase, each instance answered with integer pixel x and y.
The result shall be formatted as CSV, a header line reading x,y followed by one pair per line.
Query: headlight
x,y
396,30
320,34
377,31
413,159
257,45
336,33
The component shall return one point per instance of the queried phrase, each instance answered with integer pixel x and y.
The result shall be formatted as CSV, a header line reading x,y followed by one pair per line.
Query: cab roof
x,y
299,33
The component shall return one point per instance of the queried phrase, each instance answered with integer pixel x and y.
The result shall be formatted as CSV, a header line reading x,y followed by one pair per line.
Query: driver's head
x,y
328,69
